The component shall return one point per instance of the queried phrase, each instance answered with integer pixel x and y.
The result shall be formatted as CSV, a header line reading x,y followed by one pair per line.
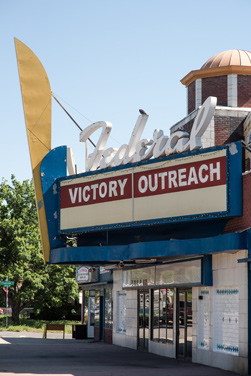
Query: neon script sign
x,y
143,149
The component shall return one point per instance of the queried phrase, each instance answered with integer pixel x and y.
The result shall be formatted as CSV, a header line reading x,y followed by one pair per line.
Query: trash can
x,y
79,331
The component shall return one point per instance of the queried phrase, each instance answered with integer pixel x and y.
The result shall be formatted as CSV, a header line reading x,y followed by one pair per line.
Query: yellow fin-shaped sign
x,y
36,94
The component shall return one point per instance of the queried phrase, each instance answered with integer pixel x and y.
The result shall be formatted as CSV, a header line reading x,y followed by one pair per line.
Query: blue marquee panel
x,y
53,167
187,247
233,182
53,170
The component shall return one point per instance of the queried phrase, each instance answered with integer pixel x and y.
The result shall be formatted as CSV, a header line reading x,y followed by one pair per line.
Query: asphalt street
x,y
27,354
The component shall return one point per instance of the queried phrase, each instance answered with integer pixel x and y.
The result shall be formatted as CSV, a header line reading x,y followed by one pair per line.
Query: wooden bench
x,y
60,327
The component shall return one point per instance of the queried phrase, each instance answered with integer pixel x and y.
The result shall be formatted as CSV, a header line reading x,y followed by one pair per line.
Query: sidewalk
x,y
52,335
23,354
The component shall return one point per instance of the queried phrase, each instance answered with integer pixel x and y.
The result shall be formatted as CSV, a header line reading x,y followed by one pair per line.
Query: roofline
x,y
214,72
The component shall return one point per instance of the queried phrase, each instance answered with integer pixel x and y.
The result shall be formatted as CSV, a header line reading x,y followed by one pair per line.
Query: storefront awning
x,y
101,255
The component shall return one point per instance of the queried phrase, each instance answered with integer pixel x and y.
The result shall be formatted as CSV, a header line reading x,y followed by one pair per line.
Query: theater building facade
x,y
168,220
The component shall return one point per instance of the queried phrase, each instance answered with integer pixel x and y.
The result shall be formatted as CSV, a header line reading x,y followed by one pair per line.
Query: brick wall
x,y
191,98
108,336
247,164
96,333
188,126
244,91
222,129
244,222
216,87
228,129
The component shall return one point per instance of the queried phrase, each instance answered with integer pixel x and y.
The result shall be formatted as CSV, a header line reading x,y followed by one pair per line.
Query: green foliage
x,y
45,287
29,325
59,294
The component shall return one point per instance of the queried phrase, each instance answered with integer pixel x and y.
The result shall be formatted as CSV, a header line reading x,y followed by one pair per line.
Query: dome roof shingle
x,y
229,58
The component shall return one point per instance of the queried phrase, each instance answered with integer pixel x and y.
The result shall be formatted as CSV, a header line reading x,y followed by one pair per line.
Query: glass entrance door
x,y
143,320
91,316
184,323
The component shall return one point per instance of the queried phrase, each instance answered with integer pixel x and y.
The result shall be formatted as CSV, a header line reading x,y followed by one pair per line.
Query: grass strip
x,y
31,325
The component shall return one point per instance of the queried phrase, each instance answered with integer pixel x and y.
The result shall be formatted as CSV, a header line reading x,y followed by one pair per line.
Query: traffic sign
x,y
7,283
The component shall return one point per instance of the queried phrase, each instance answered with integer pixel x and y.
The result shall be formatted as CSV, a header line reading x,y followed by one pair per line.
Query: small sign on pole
x,y
7,284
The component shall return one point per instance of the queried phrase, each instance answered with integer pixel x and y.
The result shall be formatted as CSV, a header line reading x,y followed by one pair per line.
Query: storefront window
x,y
91,307
175,273
139,277
162,319
155,319
86,307
108,308
179,273
97,307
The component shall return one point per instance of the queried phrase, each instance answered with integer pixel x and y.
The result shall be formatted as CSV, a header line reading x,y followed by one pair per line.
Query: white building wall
x,y
129,339
208,138
227,272
162,349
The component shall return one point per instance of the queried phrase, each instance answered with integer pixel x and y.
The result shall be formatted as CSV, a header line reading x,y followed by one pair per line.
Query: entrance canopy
x,y
105,255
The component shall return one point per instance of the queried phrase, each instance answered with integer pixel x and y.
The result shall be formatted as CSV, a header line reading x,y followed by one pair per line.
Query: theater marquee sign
x,y
144,182
168,189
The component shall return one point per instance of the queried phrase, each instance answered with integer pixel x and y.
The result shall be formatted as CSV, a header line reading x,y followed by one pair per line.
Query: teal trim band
x,y
188,247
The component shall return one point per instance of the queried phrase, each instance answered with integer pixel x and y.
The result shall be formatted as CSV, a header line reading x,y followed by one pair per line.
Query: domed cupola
x,y
226,76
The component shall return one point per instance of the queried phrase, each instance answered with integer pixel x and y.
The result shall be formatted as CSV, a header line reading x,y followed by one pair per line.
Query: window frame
x,y
108,326
153,317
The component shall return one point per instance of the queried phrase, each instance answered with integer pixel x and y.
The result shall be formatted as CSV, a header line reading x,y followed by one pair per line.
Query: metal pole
x,y
71,118
86,155
66,112
7,293
83,306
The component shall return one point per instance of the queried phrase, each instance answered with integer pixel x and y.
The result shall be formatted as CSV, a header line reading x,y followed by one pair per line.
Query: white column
x,y
198,92
232,96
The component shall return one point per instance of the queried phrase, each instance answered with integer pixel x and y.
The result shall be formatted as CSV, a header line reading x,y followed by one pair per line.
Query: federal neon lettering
x,y
138,150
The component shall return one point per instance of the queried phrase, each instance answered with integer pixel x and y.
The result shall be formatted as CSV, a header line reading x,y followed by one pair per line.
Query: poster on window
x,y
226,320
121,313
204,319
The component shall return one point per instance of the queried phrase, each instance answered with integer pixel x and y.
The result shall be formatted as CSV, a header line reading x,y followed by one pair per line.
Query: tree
x,y
60,292
21,257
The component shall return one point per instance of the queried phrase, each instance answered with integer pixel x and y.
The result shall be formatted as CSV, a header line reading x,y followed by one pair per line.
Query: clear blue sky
x,y
105,59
